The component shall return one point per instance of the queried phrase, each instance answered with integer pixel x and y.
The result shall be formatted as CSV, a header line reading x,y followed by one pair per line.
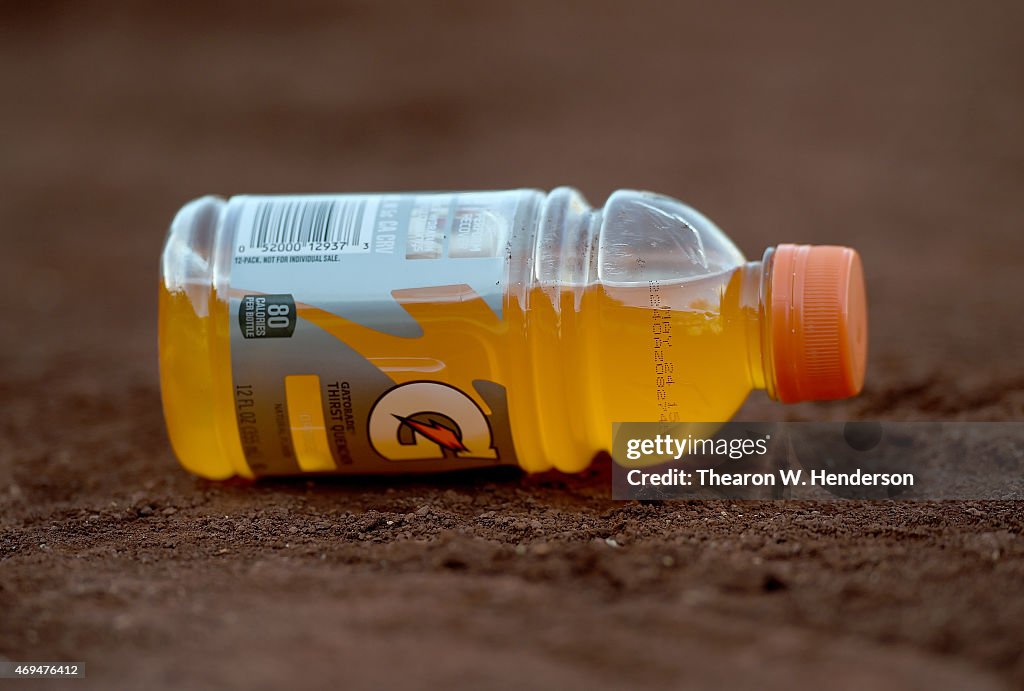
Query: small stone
x,y
169,511
423,511
146,510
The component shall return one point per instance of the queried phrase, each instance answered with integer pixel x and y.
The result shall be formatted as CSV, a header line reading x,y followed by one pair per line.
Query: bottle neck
x,y
755,301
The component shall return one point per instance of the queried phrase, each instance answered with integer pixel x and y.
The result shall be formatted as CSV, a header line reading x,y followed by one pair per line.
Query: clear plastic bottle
x,y
419,332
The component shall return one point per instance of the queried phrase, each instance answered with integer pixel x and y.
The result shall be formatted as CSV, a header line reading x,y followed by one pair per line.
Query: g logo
x,y
423,420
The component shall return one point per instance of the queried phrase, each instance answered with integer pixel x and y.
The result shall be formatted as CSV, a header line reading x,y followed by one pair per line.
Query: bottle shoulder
x,y
646,236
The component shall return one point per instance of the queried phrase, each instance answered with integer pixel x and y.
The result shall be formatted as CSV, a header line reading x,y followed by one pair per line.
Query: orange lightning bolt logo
x,y
437,433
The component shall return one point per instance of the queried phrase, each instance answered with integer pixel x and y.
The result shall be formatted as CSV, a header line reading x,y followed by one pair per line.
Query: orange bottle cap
x,y
819,324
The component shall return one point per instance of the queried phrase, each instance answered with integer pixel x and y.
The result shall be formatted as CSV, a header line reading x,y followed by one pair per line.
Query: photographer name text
x,y
709,477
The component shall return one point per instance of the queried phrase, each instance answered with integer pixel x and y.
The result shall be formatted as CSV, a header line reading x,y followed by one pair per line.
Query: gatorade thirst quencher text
x,y
378,333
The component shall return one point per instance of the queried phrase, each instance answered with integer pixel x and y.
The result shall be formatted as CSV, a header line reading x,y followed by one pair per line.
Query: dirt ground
x,y
894,127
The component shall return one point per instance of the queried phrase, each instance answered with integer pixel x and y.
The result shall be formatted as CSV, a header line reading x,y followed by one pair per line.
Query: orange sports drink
x,y
381,333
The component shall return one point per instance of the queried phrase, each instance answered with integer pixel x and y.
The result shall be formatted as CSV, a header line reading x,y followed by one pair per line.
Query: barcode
x,y
297,225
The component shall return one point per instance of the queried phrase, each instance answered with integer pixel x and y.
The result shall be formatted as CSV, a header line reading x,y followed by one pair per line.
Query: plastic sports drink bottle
x,y
379,333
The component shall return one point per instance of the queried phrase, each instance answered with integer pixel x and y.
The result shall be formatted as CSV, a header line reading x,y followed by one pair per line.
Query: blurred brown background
x,y
892,127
